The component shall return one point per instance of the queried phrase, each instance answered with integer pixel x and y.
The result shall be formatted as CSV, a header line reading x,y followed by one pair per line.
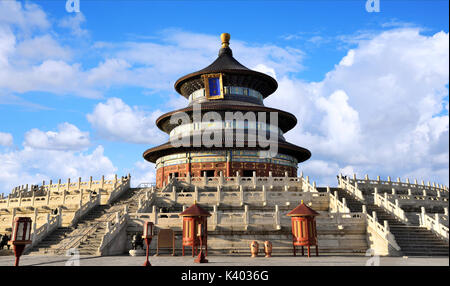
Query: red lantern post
x,y
21,236
192,218
147,236
304,228
200,234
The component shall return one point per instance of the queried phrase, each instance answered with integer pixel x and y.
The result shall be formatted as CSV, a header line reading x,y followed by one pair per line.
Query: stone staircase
x,y
90,229
413,240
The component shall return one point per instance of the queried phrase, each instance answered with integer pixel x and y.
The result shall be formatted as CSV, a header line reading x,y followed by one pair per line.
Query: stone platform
x,y
224,260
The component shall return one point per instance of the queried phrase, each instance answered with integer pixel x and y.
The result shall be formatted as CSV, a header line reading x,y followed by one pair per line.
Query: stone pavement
x,y
35,260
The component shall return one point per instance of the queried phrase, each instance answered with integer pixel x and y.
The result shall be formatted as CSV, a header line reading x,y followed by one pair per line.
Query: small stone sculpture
x,y
254,248
268,248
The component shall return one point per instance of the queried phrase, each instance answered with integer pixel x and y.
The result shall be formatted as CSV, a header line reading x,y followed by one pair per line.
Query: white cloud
x,y
28,16
68,137
6,139
382,110
73,22
143,172
117,121
31,166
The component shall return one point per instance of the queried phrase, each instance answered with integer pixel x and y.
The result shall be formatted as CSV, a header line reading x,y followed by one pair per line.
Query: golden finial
x,y
195,202
225,37
301,202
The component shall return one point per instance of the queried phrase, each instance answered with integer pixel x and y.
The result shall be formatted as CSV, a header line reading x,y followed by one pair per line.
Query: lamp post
x,y
21,236
148,235
200,233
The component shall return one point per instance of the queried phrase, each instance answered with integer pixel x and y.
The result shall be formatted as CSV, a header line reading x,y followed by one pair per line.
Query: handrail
x,y
352,189
113,229
390,207
434,225
399,184
382,230
335,205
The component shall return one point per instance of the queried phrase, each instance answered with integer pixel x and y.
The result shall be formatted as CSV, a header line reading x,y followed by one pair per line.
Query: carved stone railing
x,y
382,232
119,187
62,196
113,228
38,234
246,181
350,188
367,183
242,195
85,208
248,220
388,206
434,223
335,205
146,199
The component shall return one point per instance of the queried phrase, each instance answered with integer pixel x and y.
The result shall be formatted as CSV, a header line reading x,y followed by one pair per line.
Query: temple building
x,y
226,86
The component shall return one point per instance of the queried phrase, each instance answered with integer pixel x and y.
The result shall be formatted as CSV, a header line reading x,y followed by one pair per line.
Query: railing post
x,y
436,221
221,178
241,195
264,195
246,216
446,211
115,181
195,193
386,203
214,216
344,203
90,182
422,215
79,183
277,216
424,193
102,182
155,213
374,215
364,209
354,177
328,189
393,191
386,226
219,195
409,192
174,194
117,217
366,177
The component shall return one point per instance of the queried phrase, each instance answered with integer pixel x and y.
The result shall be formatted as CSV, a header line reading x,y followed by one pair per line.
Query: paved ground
x,y
226,261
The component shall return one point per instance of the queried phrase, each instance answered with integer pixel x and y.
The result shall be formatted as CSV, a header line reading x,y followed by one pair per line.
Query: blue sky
x,y
79,92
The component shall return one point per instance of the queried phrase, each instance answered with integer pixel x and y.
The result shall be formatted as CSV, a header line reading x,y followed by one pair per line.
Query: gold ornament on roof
x,y
225,37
